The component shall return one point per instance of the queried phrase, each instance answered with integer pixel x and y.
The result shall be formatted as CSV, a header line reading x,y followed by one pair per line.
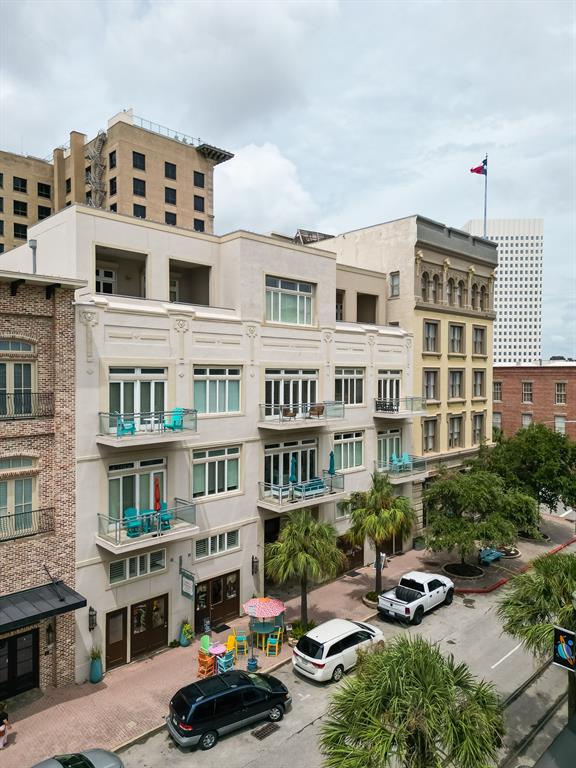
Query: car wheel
x,y
276,714
418,616
208,740
449,597
338,673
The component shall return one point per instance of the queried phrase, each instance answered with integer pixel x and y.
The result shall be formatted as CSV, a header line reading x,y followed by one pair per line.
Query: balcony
x,y
404,469
26,405
140,528
19,525
134,429
399,407
319,490
299,416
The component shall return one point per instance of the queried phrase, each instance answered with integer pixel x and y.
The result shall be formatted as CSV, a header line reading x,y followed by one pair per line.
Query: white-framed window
x,y
16,378
16,496
174,289
348,449
147,564
479,383
431,342
455,432
343,509
477,428
478,340
527,392
339,306
349,386
294,459
389,444
105,280
389,384
527,419
289,301
137,390
431,390
429,435
455,339
497,420
290,386
394,283
217,390
213,545
131,486
560,393
455,384
560,424
215,471
497,391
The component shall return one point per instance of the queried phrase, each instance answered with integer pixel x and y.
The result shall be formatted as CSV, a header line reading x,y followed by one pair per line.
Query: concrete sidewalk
x,y
133,700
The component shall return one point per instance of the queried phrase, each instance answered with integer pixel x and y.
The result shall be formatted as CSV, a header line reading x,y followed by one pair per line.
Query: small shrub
x,y
95,653
298,629
174,643
187,631
372,596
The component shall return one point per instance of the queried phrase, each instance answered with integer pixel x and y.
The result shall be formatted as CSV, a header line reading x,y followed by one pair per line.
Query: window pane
x,y
289,304
128,491
157,560
114,498
233,474
199,480
233,395
145,500
200,396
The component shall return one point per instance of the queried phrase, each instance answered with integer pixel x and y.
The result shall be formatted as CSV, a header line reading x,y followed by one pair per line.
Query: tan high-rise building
x,y
135,167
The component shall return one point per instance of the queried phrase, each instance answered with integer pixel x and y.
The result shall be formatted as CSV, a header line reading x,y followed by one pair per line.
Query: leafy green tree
x,y
539,462
538,600
409,706
521,510
378,515
469,494
463,534
306,550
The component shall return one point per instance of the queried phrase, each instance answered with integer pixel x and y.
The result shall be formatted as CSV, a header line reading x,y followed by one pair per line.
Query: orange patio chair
x,y
206,665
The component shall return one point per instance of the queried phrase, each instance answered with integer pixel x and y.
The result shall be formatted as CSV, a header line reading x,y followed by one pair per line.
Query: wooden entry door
x,y
217,600
19,663
116,638
148,625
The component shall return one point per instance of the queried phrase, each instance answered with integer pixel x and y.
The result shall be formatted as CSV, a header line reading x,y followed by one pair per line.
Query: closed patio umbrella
x,y
293,470
331,468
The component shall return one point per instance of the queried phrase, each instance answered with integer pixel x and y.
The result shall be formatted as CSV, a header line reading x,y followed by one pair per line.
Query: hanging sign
x,y
187,584
564,648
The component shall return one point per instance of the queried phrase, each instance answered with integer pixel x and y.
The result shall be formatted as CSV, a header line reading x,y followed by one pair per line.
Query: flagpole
x,y
485,192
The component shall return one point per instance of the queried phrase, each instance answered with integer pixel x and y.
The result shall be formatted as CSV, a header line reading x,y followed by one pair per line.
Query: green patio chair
x,y
205,643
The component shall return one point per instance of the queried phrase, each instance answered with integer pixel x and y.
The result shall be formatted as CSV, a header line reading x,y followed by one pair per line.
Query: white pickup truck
x,y
416,594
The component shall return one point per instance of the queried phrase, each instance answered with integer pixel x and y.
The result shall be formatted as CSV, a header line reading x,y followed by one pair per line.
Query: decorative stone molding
x,y
89,320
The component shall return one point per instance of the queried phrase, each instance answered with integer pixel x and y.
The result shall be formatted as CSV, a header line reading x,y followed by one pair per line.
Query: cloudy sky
x,y
341,114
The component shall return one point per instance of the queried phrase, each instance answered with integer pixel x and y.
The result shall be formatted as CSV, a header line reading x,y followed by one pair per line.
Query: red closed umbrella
x,y
157,495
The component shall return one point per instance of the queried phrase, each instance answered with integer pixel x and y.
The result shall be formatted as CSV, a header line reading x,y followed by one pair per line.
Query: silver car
x,y
90,758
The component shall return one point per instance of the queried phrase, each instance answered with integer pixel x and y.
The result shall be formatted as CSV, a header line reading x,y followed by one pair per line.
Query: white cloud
x,y
259,190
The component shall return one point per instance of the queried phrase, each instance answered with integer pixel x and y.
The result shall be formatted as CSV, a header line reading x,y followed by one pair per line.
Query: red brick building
x,y
37,482
544,393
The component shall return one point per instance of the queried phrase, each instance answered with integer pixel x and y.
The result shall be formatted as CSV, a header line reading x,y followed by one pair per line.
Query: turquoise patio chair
x,y
406,461
132,522
226,662
125,426
176,420
394,464
165,517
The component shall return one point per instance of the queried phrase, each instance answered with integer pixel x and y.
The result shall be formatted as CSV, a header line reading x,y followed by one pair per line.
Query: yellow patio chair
x,y
231,645
274,643
240,641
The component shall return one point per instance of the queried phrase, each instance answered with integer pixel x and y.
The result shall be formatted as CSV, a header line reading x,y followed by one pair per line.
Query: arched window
x,y
450,292
460,293
425,286
435,289
483,298
474,296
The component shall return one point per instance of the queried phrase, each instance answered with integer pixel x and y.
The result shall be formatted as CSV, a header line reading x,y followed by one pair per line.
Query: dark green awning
x,y
20,609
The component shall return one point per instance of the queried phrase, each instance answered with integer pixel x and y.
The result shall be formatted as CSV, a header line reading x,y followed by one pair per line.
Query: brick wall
x,y
49,325
543,407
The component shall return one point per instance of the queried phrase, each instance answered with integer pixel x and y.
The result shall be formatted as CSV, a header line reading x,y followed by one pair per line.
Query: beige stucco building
x,y
213,383
135,167
440,285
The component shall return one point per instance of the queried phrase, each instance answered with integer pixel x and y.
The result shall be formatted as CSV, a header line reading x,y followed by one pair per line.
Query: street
x,y
469,629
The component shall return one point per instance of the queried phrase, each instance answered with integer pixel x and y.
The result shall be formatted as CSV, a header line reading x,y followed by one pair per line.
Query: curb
x,y
501,582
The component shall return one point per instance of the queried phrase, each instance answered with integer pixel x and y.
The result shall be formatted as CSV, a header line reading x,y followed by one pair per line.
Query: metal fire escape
x,y
96,179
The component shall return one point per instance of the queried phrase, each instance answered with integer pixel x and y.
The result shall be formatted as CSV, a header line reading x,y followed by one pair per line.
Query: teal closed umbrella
x,y
293,470
332,464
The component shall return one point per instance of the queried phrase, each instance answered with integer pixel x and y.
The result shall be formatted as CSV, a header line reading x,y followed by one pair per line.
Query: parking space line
x,y
505,657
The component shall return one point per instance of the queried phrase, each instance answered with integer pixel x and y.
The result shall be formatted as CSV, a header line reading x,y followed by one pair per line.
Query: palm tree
x,y
305,550
537,601
378,515
409,706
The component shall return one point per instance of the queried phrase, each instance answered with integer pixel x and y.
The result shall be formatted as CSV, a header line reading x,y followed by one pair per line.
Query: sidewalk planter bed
x,y
463,570
370,600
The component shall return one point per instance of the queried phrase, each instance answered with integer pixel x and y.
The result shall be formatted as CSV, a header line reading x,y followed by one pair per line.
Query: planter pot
x,y
419,543
184,642
369,603
95,670
252,665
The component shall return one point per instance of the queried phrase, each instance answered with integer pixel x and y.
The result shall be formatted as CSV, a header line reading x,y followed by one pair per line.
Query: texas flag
x,y
481,169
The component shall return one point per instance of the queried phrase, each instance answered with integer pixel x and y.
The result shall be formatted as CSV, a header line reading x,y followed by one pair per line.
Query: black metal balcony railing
x,y
17,525
26,405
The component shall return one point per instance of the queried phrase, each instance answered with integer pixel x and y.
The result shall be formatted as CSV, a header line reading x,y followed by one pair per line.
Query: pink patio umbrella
x,y
263,608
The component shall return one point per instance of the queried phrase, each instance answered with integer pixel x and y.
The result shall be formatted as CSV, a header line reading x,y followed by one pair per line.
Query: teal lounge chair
x,y
125,426
132,522
176,421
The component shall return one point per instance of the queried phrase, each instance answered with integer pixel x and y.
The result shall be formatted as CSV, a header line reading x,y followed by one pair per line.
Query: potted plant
x,y
186,634
419,542
95,664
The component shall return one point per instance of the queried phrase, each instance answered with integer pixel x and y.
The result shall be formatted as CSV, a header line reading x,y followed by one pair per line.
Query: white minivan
x,y
330,649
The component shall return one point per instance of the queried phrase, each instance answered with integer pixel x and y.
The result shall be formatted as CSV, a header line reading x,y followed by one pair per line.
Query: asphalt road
x,y
469,629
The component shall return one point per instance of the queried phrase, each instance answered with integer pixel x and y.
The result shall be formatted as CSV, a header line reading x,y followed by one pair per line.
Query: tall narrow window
x,y
289,301
431,337
425,286
215,471
348,449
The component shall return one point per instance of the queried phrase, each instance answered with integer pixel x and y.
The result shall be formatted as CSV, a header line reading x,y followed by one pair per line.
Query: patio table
x,y
217,650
